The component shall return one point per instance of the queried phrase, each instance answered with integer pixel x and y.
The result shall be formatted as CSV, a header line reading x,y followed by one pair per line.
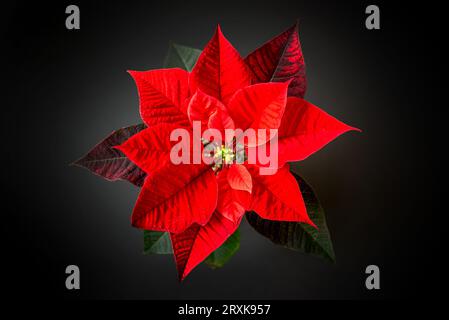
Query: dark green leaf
x,y
181,57
155,242
219,257
299,236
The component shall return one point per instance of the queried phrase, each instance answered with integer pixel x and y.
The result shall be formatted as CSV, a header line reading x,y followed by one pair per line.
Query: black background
x,y
66,90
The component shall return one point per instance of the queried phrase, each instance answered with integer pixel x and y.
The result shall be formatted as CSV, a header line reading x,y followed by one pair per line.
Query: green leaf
x,y
299,236
155,242
219,257
181,57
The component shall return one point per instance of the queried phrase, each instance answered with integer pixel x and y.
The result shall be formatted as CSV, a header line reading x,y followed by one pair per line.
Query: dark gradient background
x,y
66,90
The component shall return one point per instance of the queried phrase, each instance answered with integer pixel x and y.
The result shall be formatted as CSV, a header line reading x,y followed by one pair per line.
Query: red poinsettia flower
x,y
202,204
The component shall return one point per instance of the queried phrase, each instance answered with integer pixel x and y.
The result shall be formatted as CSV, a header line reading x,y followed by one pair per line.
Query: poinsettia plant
x,y
194,210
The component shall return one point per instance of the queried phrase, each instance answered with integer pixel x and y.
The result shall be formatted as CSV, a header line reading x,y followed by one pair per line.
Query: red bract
x,y
279,60
199,206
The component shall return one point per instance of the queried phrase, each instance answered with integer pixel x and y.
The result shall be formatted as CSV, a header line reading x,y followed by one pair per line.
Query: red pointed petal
x,y
305,129
277,197
260,106
239,178
232,203
221,120
150,148
219,71
210,111
280,59
162,94
231,208
195,244
175,197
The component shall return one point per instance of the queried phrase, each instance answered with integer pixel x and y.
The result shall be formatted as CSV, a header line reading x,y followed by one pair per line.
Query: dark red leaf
x,y
279,60
110,163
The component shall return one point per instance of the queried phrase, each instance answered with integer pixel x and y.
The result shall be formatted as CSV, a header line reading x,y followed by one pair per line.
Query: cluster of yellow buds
x,y
223,156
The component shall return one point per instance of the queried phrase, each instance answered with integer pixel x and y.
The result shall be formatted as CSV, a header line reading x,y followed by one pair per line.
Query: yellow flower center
x,y
223,156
